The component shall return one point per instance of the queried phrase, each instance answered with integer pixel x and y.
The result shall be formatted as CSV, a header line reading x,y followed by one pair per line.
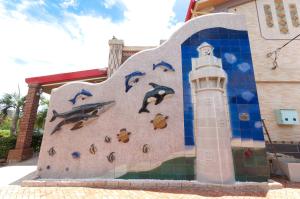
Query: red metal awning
x,y
50,82
65,77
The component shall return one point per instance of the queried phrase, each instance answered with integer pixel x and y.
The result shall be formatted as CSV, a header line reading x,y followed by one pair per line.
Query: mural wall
x,y
142,123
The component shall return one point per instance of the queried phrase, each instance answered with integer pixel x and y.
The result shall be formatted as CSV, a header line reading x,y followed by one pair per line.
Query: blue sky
x,y
50,10
54,9
42,37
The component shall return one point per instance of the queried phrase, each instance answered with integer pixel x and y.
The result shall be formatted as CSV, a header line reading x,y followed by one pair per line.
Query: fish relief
x,y
80,114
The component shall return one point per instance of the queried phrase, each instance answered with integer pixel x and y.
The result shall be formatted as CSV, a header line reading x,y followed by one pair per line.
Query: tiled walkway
x,y
11,176
14,174
16,192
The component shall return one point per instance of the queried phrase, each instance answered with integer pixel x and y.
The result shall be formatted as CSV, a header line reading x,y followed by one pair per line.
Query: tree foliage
x,y
42,113
14,102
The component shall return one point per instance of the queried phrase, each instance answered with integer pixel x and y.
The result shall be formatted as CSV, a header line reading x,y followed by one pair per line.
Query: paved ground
x,y
14,174
11,176
15,192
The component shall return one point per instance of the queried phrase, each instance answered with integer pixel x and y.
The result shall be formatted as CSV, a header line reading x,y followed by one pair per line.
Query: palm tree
x,y
14,102
42,113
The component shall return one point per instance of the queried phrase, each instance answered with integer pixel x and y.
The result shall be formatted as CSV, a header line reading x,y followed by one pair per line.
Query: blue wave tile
x,y
244,125
232,100
235,124
246,134
258,135
236,133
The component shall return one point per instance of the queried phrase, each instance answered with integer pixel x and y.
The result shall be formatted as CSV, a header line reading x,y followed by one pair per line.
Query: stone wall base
x,y
245,187
17,155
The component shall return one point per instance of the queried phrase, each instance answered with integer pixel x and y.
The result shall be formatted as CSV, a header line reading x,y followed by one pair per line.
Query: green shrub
x,y
4,133
36,141
6,144
5,124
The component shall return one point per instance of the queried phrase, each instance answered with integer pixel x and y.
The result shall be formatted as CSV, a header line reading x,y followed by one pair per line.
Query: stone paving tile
x,y
17,192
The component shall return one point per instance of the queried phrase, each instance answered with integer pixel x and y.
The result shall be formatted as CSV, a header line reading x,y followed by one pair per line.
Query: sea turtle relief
x,y
159,121
123,136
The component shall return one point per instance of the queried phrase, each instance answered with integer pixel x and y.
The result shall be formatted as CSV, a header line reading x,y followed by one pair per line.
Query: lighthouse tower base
x,y
214,162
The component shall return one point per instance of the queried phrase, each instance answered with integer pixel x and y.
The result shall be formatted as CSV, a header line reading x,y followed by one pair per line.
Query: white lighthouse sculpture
x,y
214,162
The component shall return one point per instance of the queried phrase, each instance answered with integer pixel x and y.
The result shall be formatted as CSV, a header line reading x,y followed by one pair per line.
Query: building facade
x,y
274,29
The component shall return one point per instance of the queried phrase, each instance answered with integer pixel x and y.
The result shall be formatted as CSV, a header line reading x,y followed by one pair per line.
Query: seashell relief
x,y
51,151
107,139
146,148
93,149
111,157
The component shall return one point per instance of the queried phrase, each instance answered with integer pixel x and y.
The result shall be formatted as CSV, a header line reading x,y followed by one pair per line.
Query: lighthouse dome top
x,y
205,44
205,49
206,57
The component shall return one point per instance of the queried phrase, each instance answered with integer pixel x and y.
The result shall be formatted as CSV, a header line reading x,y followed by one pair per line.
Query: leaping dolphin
x,y
132,79
82,92
164,65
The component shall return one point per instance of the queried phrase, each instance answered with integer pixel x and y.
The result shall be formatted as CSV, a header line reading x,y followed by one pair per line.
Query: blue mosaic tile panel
x,y
233,48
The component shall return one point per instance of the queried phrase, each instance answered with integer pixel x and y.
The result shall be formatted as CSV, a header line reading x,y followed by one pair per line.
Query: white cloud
x,y
25,4
68,3
78,43
109,3
230,58
248,96
244,67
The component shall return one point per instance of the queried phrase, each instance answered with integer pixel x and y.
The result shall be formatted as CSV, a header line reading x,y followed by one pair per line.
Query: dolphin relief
x,y
80,114
82,92
156,95
164,65
132,79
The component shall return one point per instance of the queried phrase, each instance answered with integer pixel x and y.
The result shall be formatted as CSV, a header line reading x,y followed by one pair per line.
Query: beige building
x,y
271,25
274,29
